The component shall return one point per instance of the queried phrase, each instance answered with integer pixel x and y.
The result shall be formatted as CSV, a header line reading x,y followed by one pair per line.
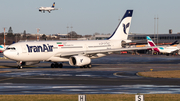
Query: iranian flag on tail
x,y
60,44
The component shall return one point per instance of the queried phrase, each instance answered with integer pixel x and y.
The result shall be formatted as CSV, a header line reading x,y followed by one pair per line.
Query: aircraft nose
x,y
5,53
10,54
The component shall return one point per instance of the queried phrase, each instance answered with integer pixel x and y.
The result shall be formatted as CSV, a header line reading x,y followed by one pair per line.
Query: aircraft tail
x,y
1,46
122,30
150,42
53,5
175,42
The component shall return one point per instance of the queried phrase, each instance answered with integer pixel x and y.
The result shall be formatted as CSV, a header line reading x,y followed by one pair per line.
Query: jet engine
x,y
79,60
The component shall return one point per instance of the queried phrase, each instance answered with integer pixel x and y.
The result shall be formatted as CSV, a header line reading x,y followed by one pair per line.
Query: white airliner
x,y
49,9
77,53
161,49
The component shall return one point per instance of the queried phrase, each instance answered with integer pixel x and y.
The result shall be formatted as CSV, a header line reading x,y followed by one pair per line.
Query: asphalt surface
x,y
114,74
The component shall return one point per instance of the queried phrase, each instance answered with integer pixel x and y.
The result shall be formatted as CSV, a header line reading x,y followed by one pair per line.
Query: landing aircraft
x,y
77,53
49,9
163,49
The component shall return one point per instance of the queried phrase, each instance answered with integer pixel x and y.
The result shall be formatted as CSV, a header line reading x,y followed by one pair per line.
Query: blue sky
x,y
89,16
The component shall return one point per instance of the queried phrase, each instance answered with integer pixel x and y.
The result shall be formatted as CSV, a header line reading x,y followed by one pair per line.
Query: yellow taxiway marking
x,y
6,79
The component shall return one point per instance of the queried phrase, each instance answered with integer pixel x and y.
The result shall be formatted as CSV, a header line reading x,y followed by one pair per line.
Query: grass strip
x,y
161,74
90,97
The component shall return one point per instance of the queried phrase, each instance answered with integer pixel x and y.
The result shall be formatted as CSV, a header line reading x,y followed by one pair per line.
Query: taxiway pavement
x,y
110,74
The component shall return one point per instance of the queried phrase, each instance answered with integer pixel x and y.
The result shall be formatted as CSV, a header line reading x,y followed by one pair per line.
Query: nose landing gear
x,y
20,63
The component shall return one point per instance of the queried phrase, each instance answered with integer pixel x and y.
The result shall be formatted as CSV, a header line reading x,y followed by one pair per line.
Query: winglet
x,y
122,30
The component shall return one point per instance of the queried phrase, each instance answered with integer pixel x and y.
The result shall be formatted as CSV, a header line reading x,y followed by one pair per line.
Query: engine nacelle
x,y
79,60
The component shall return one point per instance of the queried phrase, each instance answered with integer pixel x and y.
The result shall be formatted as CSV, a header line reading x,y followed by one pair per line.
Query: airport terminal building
x,y
161,39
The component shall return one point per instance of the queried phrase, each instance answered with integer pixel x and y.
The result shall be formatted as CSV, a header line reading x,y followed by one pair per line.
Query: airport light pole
x,y
67,29
154,28
4,37
71,32
157,29
16,37
38,29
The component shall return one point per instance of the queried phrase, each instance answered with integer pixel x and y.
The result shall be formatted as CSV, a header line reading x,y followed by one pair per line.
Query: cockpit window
x,y
11,48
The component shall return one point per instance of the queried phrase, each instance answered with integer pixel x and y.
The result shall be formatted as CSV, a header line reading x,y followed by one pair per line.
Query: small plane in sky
x,y
49,9
77,53
162,49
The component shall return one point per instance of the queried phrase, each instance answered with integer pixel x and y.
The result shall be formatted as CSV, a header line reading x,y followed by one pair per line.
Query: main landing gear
x,y
86,66
56,65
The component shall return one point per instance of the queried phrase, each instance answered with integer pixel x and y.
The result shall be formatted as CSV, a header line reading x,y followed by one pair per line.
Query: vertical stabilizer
x,y
122,30
53,5
150,42
175,42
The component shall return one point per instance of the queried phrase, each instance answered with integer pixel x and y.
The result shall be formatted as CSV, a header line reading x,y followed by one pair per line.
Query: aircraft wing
x,y
99,51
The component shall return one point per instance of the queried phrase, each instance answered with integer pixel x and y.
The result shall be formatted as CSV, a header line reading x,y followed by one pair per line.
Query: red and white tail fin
x,y
150,42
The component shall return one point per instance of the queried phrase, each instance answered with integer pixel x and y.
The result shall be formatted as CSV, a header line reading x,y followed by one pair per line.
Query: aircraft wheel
x,y
60,65
81,66
56,65
19,67
89,66
85,66
52,65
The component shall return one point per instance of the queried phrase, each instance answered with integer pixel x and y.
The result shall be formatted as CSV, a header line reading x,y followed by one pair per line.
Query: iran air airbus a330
x,y
49,9
77,53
